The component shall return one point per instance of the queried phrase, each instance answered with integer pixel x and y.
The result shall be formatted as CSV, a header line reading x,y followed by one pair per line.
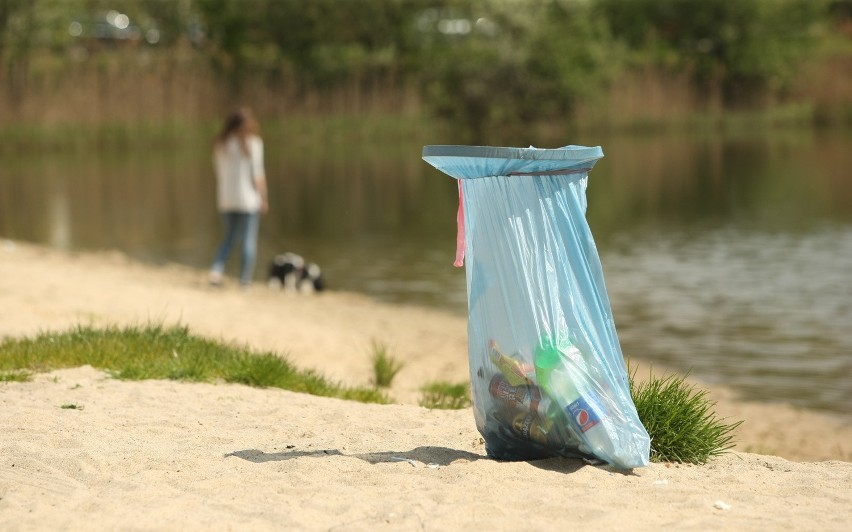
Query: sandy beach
x,y
169,455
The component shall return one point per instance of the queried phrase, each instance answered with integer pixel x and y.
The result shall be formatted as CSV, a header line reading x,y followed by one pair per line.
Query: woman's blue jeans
x,y
242,226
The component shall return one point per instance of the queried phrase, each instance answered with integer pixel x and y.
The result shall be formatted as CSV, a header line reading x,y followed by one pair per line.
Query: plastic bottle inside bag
x,y
561,372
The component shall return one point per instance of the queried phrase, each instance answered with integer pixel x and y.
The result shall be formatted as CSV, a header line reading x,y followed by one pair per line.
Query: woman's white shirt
x,y
236,173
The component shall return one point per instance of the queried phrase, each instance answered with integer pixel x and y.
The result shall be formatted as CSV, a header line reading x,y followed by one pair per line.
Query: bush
x,y
680,420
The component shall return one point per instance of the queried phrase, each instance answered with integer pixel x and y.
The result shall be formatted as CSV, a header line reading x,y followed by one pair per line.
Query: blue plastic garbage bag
x,y
547,373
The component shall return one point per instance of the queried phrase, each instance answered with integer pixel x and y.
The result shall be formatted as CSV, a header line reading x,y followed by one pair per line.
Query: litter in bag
x,y
547,373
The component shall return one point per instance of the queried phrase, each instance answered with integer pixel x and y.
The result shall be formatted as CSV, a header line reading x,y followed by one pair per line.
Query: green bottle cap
x,y
548,354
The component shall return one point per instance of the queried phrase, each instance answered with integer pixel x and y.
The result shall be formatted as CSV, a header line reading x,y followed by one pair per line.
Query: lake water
x,y
726,256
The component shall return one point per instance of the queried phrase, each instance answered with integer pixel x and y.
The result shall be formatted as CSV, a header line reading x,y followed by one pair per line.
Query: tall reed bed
x,y
158,98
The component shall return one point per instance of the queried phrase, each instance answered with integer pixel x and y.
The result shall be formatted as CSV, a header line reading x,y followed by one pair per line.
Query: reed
x,y
159,99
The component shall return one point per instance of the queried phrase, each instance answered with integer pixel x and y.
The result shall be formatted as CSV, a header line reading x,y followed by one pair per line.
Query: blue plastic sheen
x,y
534,281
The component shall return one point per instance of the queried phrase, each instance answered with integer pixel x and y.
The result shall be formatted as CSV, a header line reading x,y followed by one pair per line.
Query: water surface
x,y
725,256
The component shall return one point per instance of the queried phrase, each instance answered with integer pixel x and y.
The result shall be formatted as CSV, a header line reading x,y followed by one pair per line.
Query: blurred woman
x,y
240,192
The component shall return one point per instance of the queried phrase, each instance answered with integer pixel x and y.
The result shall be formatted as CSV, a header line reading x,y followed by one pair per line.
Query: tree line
x,y
481,62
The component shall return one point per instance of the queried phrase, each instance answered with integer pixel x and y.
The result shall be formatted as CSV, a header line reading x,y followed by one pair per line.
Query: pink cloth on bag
x,y
460,230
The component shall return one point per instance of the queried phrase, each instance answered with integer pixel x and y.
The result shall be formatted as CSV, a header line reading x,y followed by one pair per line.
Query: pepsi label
x,y
584,413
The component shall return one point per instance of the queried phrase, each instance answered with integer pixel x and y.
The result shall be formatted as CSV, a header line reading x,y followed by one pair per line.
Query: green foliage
x,y
261,371
484,65
385,367
445,395
571,56
16,376
680,420
324,42
155,352
747,46
478,85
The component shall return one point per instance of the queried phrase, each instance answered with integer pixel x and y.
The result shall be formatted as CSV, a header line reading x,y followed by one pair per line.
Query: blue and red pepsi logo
x,y
585,414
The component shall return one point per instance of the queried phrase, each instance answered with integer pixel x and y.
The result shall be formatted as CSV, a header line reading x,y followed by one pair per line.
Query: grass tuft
x,y
16,376
680,420
157,352
263,371
445,395
385,367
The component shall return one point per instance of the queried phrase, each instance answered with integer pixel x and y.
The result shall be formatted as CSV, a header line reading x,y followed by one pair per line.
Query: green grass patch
x,y
680,420
385,367
156,352
16,376
445,395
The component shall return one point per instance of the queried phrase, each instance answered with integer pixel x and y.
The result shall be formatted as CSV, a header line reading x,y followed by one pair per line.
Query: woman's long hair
x,y
241,123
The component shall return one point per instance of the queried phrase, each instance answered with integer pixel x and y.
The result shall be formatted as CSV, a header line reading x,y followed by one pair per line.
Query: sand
x,y
170,455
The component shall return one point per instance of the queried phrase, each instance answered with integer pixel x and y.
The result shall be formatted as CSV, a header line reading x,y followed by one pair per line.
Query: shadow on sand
x,y
441,456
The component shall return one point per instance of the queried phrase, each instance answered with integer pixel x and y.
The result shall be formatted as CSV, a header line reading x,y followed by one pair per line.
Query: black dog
x,y
293,273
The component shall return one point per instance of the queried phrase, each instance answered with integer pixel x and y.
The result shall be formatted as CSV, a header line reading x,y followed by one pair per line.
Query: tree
x,y
531,64
746,47
17,31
